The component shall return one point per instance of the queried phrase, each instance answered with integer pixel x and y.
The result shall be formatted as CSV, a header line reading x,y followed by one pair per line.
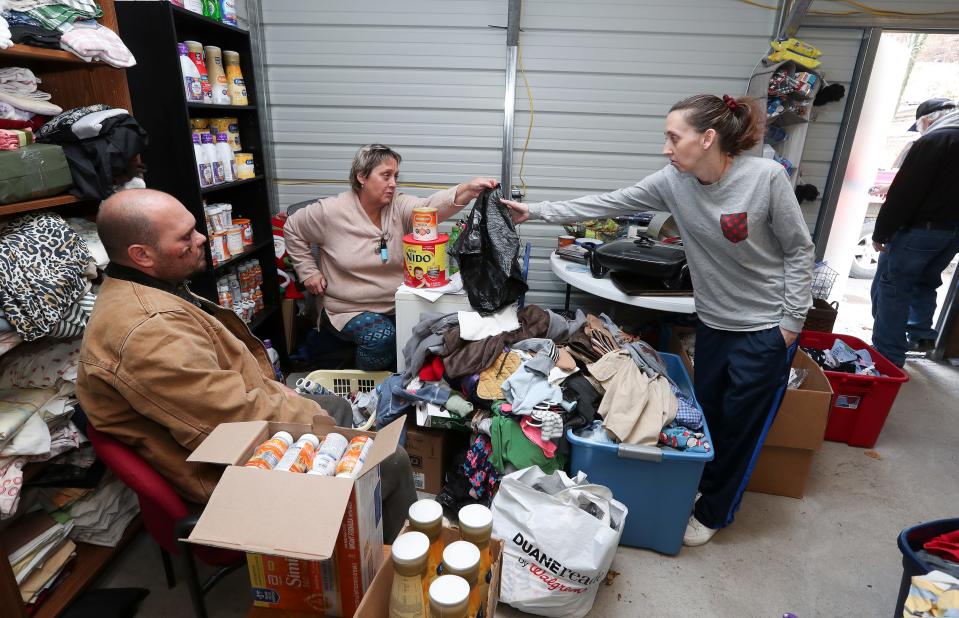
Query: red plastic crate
x,y
860,404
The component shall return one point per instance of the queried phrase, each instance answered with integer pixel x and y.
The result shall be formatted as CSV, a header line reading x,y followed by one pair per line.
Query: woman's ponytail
x,y
739,122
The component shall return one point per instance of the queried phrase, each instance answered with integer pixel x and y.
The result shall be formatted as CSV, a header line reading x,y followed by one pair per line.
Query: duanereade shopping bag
x,y
560,535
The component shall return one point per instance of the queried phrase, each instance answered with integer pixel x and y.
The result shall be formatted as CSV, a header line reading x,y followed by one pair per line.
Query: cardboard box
x,y
797,433
426,451
376,603
314,543
675,347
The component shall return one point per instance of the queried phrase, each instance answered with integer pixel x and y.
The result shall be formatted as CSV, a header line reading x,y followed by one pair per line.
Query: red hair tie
x,y
730,102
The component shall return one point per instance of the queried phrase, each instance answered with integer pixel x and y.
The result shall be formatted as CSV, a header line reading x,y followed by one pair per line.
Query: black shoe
x,y
922,345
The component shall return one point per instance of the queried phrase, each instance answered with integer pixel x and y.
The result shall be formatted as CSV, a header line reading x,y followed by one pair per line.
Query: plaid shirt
x,y
63,12
688,413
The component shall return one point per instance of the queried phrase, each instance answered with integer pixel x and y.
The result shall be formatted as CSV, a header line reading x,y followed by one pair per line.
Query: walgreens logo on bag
x,y
553,566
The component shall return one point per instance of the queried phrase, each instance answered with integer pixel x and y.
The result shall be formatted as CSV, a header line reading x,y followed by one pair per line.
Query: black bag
x,y
488,251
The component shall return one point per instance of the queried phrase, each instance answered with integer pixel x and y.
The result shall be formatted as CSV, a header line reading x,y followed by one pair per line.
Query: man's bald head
x,y
152,232
132,217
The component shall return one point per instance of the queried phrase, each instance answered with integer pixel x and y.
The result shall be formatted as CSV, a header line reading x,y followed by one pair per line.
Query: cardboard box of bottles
x,y
376,603
313,543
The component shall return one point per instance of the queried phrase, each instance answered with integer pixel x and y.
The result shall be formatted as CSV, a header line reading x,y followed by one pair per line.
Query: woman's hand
x,y
469,191
316,284
788,336
518,210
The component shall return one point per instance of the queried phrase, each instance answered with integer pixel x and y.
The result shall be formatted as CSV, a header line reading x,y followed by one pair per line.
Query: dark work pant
x,y
740,380
904,288
396,474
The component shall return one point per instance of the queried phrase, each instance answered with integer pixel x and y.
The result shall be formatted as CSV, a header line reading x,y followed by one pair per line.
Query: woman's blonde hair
x,y
366,160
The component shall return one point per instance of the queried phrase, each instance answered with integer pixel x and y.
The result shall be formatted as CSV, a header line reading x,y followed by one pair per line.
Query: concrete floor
x,y
830,554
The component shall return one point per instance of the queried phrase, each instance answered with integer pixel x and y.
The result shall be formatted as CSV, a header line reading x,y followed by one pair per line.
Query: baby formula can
x,y
333,447
425,261
246,229
230,126
218,251
299,457
234,240
268,454
351,464
243,165
424,223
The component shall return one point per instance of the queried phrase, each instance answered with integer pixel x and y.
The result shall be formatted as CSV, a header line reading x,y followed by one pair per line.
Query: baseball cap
x,y
929,106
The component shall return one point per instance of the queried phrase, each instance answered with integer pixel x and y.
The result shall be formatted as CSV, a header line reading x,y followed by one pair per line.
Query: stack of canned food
x,y
228,237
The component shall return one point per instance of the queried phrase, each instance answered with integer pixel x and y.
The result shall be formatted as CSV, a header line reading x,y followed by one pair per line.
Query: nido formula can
x,y
425,261
424,224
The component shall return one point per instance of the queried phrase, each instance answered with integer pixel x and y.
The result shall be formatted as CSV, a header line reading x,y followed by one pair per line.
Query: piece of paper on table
x,y
454,286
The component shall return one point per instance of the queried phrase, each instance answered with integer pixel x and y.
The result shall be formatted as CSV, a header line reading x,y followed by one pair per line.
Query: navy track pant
x,y
740,380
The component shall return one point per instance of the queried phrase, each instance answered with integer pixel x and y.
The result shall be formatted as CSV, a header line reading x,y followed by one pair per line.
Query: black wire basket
x,y
823,279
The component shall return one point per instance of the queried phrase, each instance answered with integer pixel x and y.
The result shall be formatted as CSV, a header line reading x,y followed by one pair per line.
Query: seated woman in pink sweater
x,y
359,234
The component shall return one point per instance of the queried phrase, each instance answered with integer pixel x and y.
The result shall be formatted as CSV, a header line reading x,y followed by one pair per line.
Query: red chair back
x,y
160,506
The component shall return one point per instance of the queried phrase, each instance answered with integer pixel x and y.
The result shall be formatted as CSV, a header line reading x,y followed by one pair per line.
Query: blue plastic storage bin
x,y
657,485
911,540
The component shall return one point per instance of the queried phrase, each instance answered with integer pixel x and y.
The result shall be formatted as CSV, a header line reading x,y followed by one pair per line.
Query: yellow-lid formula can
x,y
425,223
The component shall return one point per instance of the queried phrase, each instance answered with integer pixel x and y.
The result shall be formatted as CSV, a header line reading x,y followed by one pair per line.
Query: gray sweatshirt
x,y
748,248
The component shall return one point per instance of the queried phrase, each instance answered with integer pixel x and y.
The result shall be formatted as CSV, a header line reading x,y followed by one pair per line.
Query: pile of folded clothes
x,y
64,24
517,380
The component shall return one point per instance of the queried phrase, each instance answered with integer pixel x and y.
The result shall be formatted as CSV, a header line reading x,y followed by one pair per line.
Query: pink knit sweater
x,y
349,250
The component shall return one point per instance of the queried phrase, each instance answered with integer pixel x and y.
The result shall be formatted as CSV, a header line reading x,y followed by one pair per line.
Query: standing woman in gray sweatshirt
x,y
751,260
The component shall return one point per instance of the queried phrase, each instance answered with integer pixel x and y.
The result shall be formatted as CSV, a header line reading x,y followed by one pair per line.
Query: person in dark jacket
x,y
917,234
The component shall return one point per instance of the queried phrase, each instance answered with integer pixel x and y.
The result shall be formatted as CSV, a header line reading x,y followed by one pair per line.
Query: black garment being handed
x,y
95,162
488,252
925,188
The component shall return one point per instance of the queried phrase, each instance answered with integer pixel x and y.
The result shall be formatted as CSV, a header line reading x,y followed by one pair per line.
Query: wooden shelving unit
x,y
72,82
90,562
153,30
40,204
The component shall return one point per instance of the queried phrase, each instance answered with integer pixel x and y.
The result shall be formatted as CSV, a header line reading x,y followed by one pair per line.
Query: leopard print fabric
x,y
42,261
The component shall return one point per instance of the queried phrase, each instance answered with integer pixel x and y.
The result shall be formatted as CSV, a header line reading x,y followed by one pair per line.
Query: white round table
x,y
606,289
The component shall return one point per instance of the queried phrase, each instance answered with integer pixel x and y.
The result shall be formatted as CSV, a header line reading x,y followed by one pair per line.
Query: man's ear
x,y
141,256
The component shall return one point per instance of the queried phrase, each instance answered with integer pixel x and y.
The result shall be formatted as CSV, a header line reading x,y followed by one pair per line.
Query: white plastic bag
x,y
560,535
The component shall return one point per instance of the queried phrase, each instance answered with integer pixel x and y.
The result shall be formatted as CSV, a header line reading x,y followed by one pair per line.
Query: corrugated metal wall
x,y
603,76
905,13
427,77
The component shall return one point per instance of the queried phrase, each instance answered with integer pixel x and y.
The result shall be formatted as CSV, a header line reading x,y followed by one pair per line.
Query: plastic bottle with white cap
x,y
225,155
426,516
209,153
409,562
299,457
449,597
202,165
476,526
191,76
463,558
268,454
